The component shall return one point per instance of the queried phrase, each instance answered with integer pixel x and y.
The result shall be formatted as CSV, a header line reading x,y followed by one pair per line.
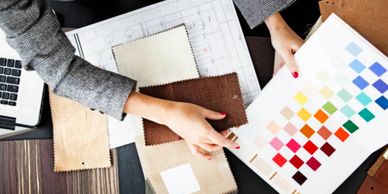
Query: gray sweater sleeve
x,y
33,30
256,11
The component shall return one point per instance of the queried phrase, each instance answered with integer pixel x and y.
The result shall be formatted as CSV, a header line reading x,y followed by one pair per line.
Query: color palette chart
x,y
308,135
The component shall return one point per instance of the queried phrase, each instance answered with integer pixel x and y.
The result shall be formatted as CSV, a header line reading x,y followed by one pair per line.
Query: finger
x,y
297,44
220,140
197,152
225,132
291,63
213,115
278,64
209,147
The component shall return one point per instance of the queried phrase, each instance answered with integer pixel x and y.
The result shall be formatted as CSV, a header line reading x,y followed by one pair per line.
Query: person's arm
x,y
185,119
256,11
33,30
284,39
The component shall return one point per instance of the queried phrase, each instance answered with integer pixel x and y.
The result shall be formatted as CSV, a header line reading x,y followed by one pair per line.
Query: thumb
x,y
213,115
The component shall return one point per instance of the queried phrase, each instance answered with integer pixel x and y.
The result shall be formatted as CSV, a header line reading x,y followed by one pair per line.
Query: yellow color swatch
x,y
326,92
301,98
304,114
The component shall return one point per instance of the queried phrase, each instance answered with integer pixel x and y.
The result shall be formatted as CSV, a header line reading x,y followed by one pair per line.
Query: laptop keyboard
x,y
10,71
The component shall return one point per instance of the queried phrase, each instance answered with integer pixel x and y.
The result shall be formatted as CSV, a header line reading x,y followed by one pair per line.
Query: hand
x,y
286,42
185,119
189,122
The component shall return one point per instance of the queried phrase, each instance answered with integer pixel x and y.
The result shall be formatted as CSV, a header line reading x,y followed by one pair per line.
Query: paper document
x,y
307,135
214,32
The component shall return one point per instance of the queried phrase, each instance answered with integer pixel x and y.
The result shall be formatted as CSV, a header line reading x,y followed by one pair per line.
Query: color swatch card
x,y
307,135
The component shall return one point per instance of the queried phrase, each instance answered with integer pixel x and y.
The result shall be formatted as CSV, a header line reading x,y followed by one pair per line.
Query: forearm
x,y
275,22
148,107
256,11
33,30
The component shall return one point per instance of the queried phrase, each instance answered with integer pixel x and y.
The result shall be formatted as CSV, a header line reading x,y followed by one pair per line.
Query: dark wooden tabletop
x,y
301,16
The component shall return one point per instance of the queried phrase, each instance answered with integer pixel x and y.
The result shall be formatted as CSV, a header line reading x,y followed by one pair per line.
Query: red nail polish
x,y
295,74
223,113
237,147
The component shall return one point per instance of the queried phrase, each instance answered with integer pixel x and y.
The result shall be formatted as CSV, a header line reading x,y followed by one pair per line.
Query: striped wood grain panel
x,y
27,167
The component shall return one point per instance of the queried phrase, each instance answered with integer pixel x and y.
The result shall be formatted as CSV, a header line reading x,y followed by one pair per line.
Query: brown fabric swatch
x,y
27,167
369,18
221,93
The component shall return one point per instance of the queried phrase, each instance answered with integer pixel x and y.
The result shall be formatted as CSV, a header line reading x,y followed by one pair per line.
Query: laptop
x,y
21,93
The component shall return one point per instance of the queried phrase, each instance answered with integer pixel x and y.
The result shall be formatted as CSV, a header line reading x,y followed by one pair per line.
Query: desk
x,y
78,14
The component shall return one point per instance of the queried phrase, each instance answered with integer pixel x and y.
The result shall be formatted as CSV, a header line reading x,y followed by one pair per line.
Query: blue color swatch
x,y
377,69
360,82
363,99
382,102
353,49
357,66
381,86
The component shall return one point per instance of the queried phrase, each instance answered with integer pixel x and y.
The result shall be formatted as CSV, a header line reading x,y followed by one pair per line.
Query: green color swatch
x,y
344,95
350,126
329,108
366,115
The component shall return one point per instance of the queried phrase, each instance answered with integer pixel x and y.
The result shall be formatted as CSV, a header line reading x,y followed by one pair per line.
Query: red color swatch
x,y
279,160
324,133
341,134
296,161
310,147
293,145
327,149
313,163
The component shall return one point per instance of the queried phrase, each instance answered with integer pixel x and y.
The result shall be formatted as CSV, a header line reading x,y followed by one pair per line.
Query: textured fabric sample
x,y
161,58
27,167
80,136
221,93
213,176
369,18
158,59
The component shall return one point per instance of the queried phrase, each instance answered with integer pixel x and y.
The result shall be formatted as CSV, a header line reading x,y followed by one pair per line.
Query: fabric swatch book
x,y
156,64
307,135
214,31
160,154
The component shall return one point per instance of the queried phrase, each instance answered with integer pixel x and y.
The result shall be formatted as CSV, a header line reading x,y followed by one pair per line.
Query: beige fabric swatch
x,y
80,136
158,59
213,176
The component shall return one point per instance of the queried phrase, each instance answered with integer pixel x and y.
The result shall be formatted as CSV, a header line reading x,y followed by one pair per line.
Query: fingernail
x,y
295,74
223,113
209,158
237,147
